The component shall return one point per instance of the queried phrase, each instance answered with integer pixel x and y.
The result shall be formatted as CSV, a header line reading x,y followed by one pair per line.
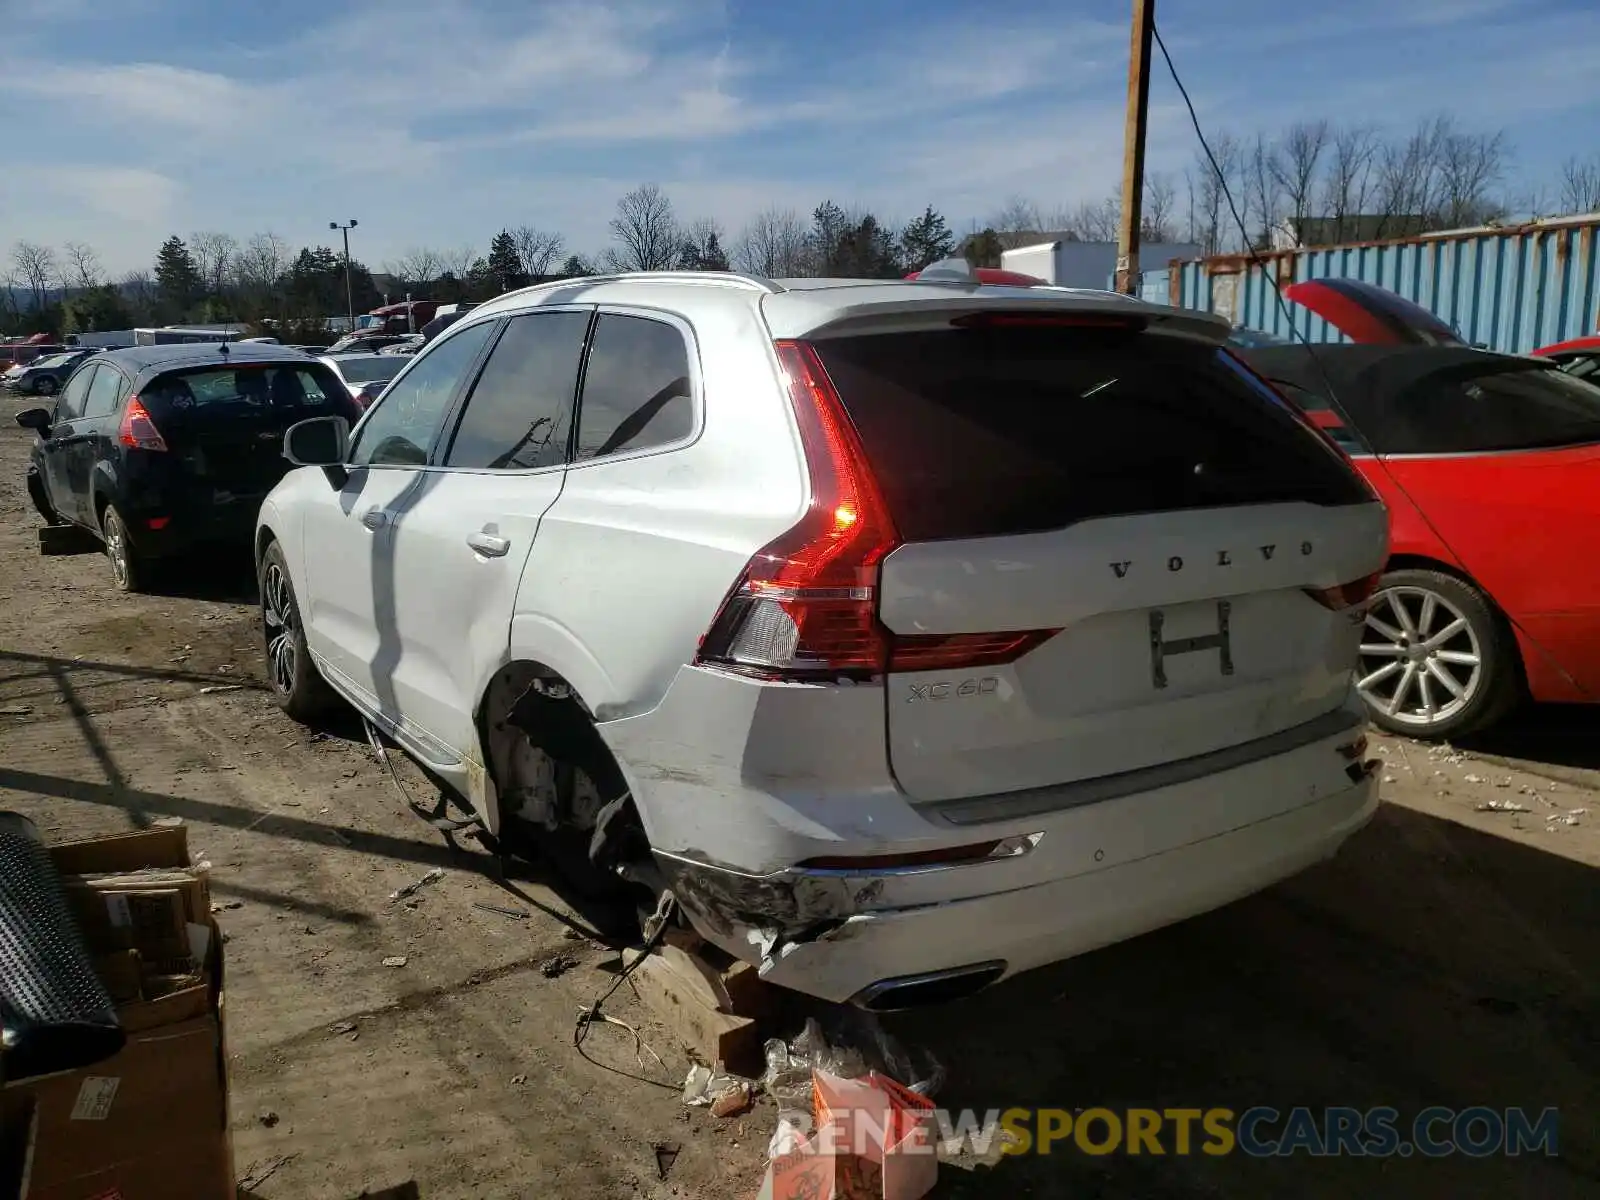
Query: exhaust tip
x,y
924,991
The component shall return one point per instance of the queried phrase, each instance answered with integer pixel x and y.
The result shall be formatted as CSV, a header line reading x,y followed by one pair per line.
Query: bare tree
x,y
538,251
1471,165
82,267
417,267
647,230
1160,201
34,266
1017,215
1580,184
1092,220
459,262
1348,184
213,255
773,244
1294,165
1210,220
139,287
262,262
1263,199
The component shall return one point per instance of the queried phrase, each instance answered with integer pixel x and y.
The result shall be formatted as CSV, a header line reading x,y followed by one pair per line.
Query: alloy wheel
x,y
117,548
1421,660
277,614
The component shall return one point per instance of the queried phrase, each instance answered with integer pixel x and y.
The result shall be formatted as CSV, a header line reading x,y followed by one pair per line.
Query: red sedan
x,y
1490,466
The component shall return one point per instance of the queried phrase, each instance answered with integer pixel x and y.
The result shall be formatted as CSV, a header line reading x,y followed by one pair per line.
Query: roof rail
x,y
732,279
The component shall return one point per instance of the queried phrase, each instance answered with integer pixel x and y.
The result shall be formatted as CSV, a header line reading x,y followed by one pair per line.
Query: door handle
x,y
491,545
374,518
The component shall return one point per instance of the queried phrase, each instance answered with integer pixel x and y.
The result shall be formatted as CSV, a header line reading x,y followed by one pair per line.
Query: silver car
x,y
366,375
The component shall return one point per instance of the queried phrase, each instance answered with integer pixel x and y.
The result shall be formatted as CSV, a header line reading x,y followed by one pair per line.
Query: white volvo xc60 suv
x,y
913,634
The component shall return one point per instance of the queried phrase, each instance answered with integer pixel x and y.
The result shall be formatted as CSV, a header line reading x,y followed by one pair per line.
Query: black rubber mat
x,y
55,1014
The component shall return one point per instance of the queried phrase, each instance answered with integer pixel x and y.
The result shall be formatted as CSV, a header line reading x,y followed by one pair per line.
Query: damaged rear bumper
x,y
836,938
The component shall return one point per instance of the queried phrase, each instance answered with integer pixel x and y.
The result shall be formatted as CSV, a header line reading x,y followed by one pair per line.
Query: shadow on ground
x,y
1564,735
1430,964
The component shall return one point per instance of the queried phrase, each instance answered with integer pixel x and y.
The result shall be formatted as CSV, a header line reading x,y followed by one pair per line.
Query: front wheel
x,y
297,686
45,385
1436,662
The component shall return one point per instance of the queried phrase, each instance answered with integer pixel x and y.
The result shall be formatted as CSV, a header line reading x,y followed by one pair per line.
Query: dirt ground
x,y
1448,956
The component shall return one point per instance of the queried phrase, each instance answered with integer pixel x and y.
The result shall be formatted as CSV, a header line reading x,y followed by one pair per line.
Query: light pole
x,y
349,295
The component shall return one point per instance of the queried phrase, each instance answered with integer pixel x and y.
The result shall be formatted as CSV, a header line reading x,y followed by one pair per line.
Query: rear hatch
x,y
1177,542
226,423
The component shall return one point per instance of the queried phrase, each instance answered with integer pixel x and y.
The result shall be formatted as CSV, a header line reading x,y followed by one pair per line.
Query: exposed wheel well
x,y
551,767
264,538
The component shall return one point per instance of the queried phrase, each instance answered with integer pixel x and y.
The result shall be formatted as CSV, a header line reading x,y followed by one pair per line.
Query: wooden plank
x,y
715,1036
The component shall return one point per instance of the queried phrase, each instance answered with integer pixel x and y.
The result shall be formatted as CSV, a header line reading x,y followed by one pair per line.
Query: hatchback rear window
x,y
987,432
302,390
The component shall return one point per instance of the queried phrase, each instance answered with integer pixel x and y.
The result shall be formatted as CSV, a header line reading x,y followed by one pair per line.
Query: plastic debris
x,y
1510,806
411,889
733,1100
221,687
395,960
15,710
1474,778
725,1095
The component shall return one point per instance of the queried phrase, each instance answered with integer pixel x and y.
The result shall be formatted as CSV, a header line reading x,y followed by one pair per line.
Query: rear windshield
x,y
987,432
1516,407
366,370
300,391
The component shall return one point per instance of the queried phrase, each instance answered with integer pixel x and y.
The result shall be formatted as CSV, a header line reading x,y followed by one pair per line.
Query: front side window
x,y
520,411
69,406
403,425
636,391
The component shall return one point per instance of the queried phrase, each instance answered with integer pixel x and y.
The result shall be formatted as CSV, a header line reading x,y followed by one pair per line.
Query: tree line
x,y
1317,181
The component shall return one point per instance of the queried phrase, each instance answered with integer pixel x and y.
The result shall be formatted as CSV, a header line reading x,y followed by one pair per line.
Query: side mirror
x,y
36,419
318,442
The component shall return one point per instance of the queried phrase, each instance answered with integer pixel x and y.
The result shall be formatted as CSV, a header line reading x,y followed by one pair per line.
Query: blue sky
x,y
438,122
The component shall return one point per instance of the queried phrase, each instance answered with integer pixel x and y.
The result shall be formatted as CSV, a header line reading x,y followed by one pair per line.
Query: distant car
x,y
364,343
44,376
1490,467
407,345
1254,339
159,449
365,375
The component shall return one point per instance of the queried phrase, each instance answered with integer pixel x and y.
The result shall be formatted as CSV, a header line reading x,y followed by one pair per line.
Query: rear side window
x,y
636,391
1323,416
1524,408
104,392
520,412
987,432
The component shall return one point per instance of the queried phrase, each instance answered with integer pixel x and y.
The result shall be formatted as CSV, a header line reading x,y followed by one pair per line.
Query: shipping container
x,y
1512,289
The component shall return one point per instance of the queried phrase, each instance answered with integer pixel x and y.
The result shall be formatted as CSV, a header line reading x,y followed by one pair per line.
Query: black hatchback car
x,y
158,450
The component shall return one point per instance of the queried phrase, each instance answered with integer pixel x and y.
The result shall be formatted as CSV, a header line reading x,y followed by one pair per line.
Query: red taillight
x,y
138,431
807,602
1346,595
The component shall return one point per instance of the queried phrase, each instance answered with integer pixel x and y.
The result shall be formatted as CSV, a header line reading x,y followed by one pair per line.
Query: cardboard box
x,y
151,1122
19,1126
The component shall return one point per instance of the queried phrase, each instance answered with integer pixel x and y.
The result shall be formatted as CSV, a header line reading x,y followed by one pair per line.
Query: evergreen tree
x,y
177,278
926,240
95,310
504,268
983,249
712,256
576,266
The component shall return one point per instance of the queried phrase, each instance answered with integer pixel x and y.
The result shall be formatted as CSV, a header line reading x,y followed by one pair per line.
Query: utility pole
x,y
349,293
1144,18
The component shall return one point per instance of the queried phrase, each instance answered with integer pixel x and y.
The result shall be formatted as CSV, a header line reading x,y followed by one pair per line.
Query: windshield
x,y
370,370
1517,407
55,360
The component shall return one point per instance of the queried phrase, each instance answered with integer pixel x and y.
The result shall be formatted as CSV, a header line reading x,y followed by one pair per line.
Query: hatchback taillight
x,y
138,431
